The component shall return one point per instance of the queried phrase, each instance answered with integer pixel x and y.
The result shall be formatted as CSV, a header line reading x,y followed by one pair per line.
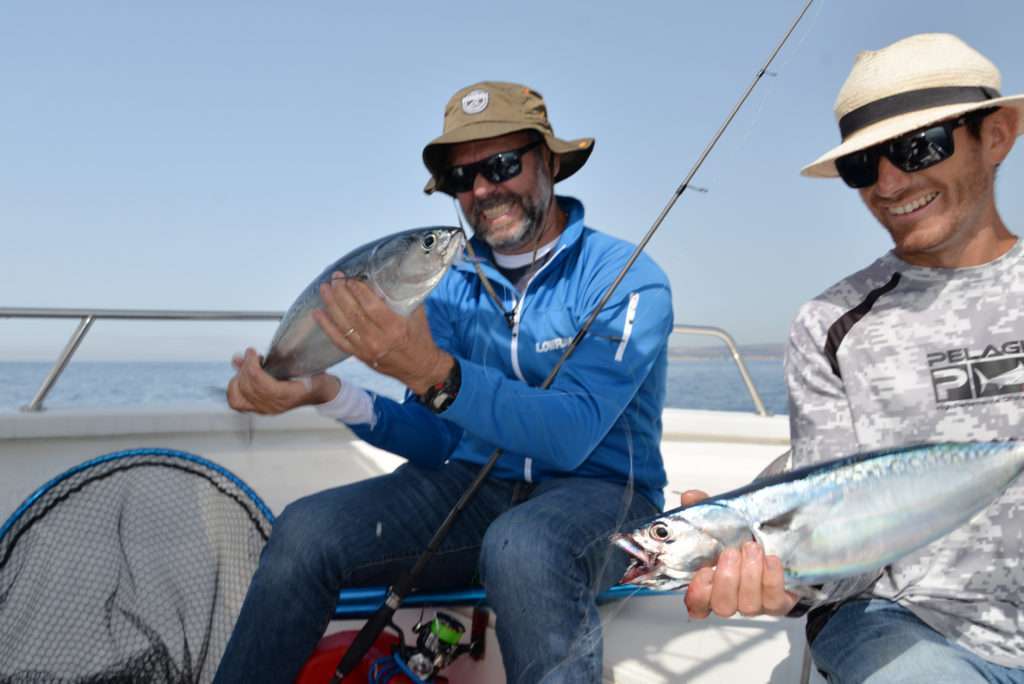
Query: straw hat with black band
x,y
492,108
915,82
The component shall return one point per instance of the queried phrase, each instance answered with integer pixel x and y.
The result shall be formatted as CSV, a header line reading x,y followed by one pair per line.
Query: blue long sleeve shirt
x,y
601,417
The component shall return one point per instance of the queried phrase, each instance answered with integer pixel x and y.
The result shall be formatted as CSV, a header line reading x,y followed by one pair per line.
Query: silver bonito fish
x,y
832,520
403,268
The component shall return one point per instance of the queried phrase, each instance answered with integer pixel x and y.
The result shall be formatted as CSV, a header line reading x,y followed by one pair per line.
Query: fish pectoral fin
x,y
780,523
781,532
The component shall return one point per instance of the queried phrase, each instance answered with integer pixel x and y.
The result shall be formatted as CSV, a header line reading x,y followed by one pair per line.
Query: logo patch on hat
x,y
475,101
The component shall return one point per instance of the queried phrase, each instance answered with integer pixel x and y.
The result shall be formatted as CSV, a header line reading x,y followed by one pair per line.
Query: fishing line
x,y
620,605
379,620
794,52
627,498
758,114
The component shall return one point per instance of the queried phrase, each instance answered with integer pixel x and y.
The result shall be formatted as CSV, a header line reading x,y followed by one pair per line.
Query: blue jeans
x,y
540,550
878,641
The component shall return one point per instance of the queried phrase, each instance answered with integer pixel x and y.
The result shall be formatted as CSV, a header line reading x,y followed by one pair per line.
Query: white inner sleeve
x,y
352,405
627,329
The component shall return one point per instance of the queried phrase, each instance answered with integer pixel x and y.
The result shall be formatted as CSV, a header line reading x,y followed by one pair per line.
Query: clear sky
x,y
218,154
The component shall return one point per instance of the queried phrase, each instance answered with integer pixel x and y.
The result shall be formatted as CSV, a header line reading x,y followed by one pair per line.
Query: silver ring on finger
x,y
348,333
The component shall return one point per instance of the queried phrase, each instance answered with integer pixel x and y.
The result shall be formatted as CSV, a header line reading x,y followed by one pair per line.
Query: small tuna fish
x,y
403,268
831,520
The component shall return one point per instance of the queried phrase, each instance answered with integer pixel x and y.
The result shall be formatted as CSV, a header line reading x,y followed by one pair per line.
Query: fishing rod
x,y
380,619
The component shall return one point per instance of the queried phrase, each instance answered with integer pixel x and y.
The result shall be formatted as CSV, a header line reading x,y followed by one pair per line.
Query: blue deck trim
x,y
359,603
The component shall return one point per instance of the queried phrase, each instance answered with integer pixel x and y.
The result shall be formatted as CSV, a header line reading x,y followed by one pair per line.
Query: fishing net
x,y
131,567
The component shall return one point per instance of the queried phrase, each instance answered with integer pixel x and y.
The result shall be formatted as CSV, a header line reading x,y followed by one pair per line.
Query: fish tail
x,y
984,381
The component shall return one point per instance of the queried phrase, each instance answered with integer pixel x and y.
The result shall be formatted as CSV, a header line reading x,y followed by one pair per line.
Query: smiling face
x,y
515,215
945,215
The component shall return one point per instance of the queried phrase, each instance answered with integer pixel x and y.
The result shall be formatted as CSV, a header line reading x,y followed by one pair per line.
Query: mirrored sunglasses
x,y
497,168
910,152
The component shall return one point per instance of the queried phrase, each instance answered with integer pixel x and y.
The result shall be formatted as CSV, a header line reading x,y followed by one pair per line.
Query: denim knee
x,y
297,544
516,554
508,553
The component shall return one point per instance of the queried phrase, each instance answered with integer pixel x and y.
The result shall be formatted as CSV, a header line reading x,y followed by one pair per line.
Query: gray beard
x,y
529,228
533,215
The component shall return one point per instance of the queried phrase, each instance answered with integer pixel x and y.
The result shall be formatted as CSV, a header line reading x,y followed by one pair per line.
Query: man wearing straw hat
x,y
580,460
924,345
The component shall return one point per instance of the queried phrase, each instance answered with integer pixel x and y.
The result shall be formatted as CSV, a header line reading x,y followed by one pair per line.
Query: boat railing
x,y
734,352
86,317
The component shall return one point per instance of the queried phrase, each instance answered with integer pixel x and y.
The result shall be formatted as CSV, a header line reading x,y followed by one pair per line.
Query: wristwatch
x,y
440,396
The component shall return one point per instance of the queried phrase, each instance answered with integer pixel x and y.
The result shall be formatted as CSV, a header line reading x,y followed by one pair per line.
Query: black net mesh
x,y
130,568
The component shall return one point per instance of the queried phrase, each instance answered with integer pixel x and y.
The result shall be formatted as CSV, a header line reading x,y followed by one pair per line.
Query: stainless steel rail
x,y
141,314
86,318
736,357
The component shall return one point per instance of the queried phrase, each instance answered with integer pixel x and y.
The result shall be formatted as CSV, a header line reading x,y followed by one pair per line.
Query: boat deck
x,y
648,639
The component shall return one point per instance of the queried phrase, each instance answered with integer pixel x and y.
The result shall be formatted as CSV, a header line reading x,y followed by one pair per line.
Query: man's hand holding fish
x,y
747,581
360,323
254,390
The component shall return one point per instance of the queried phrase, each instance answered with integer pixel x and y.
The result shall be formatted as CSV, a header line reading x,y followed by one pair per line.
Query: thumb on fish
x,y
692,496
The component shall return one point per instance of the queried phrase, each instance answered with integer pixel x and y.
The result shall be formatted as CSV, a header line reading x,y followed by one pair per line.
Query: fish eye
x,y
428,242
660,532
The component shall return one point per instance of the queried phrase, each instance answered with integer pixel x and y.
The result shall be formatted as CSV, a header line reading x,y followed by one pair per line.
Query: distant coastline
x,y
749,352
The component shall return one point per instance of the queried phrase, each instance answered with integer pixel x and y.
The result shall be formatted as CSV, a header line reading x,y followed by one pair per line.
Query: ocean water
x,y
703,383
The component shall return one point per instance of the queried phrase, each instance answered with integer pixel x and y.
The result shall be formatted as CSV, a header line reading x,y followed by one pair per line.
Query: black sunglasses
x,y
497,168
910,152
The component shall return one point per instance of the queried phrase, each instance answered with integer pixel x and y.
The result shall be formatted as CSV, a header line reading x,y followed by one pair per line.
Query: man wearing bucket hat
x,y
580,459
924,345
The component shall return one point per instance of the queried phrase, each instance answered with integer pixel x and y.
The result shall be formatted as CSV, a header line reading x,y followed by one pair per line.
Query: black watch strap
x,y
440,396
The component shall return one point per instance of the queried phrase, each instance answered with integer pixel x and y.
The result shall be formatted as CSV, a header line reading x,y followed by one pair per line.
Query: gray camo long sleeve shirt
x,y
899,355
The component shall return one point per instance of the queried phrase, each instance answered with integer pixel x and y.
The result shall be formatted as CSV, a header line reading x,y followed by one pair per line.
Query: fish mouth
x,y
453,246
648,568
457,245
643,564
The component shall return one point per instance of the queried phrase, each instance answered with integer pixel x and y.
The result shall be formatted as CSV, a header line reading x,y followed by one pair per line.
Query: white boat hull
x,y
647,639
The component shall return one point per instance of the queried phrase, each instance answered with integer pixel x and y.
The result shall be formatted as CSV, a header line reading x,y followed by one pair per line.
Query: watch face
x,y
440,396
440,401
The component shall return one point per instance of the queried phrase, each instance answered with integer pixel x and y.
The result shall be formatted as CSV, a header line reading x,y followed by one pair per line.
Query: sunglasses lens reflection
x,y
497,168
911,152
501,167
460,179
925,149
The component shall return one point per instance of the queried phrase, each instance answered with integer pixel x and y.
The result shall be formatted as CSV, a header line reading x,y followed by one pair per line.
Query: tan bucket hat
x,y
492,108
910,84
